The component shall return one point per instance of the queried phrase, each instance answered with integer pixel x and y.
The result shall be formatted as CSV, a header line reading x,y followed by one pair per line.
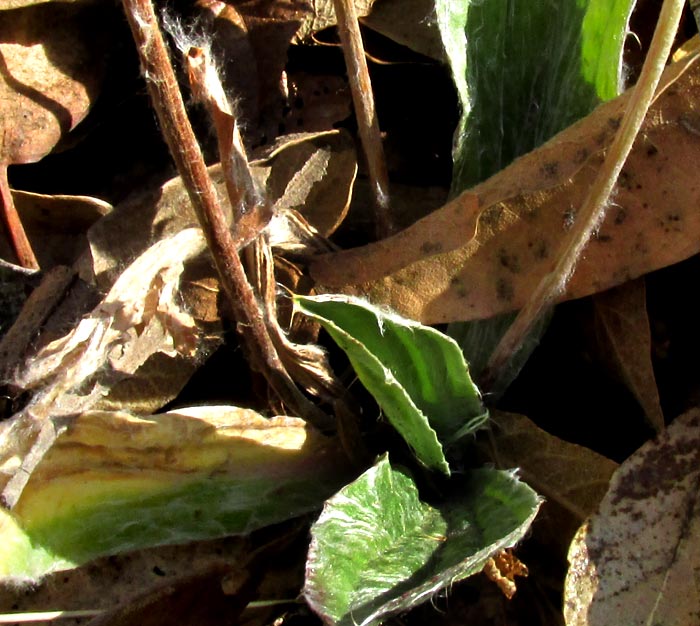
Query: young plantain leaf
x,y
526,70
417,375
377,549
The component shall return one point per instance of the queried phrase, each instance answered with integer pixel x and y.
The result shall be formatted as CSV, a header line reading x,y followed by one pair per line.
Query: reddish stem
x,y
13,225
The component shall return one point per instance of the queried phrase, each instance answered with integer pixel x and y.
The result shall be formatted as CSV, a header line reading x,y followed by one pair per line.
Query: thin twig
x,y
593,209
178,134
363,99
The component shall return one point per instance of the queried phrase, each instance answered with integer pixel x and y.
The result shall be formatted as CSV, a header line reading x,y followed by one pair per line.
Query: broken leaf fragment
x,y
638,556
115,482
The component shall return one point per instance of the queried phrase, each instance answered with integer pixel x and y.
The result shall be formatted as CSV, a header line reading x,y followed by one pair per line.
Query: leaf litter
x,y
179,310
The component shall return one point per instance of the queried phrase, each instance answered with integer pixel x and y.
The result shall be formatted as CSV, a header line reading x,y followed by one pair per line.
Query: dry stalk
x,y
367,123
177,131
593,209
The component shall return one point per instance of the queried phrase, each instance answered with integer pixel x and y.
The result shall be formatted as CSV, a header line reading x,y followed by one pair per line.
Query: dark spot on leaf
x,y
157,571
581,155
458,287
504,290
620,216
652,151
431,247
625,180
540,249
509,261
550,169
492,216
614,122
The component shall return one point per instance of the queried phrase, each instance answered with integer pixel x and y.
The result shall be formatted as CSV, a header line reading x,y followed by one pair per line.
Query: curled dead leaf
x,y
140,317
484,252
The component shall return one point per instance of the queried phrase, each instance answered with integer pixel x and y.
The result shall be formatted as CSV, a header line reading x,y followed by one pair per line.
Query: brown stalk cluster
x,y
249,293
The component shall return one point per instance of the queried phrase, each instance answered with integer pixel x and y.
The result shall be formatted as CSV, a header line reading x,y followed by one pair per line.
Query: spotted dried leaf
x,y
639,555
484,252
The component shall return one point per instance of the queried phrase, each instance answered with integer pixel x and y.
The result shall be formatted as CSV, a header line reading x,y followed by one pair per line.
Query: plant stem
x,y
593,209
13,225
363,99
178,134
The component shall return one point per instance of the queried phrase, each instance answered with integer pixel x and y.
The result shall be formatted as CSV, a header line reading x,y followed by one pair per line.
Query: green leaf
x,y
115,482
418,375
377,549
526,70
523,72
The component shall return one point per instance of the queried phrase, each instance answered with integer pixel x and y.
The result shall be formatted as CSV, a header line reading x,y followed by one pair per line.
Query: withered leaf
x,y
141,220
411,23
639,555
320,14
50,68
624,338
110,581
46,88
573,479
484,252
56,225
140,317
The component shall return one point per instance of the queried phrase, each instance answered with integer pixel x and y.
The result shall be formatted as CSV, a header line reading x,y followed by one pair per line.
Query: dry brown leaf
x,y
50,72
315,176
624,338
411,23
320,14
143,219
637,560
6,5
39,305
484,252
46,87
573,479
110,581
56,225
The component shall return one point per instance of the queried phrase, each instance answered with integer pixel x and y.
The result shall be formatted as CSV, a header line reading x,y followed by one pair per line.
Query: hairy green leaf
x,y
526,70
114,482
377,549
418,375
